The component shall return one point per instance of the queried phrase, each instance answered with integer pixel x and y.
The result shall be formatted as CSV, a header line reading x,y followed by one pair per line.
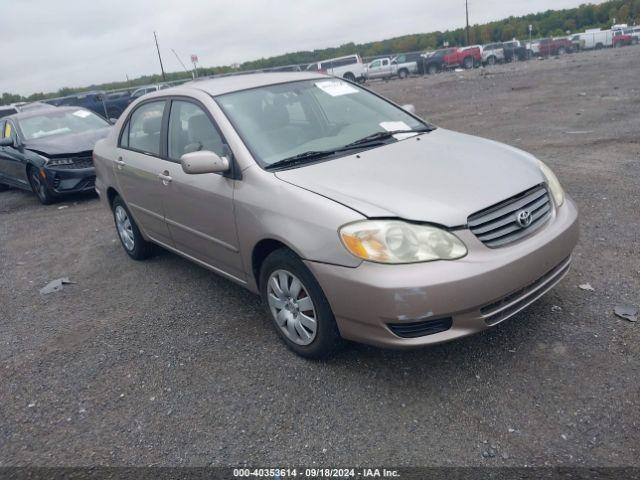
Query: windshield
x,y
60,123
281,121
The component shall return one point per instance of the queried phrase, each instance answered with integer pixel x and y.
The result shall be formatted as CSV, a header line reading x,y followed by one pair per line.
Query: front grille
x,y
497,225
507,306
421,329
78,162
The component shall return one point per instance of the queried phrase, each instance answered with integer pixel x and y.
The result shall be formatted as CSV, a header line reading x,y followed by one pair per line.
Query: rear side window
x,y
144,128
191,130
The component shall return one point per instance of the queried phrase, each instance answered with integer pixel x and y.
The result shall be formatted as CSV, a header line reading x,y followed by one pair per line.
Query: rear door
x,y
139,166
199,208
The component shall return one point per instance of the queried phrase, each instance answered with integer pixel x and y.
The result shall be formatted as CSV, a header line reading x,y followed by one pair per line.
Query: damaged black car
x,y
49,151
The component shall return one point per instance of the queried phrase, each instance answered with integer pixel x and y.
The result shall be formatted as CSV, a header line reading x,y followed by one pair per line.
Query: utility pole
x,y
164,78
183,66
466,4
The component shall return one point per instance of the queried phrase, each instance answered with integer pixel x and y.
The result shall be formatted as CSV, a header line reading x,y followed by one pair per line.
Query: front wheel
x,y
132,240
40,187
491,61
432,70
300,312
562,51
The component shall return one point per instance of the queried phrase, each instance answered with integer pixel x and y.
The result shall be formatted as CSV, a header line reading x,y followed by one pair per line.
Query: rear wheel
x,y
300,312
599,46
403,73
349,76
432,69
467,63
491,60
562,51
132,240
39,186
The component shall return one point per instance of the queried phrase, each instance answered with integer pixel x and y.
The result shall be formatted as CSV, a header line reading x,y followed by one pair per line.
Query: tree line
x,y
545,24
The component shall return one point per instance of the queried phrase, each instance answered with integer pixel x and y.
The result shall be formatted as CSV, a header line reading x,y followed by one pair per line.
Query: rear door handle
x,y
120,163
165,177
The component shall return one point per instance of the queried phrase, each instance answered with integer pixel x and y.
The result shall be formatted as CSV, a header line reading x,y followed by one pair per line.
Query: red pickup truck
x,y
446,58
622,38
555,46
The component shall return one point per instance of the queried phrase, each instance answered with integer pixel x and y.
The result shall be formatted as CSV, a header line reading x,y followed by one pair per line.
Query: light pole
x,y
466,4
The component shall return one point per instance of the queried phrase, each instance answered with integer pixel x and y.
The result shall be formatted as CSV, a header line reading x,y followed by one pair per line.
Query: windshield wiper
x,y
300,158
368,141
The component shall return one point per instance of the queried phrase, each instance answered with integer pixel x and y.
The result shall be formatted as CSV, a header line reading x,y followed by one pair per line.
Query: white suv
x,y
349,67
492,53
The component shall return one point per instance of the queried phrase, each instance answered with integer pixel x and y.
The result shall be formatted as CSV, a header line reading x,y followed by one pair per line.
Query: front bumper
x,y
457,298
70,180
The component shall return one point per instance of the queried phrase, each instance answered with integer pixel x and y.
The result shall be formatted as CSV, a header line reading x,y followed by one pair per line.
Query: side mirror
x,y
6,142
410,108
203,161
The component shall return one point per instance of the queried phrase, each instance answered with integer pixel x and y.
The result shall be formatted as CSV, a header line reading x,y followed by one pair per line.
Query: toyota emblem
x,y
524,218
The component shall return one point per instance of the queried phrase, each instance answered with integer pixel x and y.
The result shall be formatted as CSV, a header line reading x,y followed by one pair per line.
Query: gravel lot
x,y
164,363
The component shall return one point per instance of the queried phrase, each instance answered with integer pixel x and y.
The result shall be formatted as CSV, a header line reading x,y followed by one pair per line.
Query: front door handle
x,y
165,177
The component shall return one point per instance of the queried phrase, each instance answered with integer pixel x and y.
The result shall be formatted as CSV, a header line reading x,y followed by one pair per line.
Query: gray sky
x,y
48,44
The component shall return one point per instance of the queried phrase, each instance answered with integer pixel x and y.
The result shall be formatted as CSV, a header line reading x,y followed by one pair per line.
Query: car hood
x,y
67,144
441,178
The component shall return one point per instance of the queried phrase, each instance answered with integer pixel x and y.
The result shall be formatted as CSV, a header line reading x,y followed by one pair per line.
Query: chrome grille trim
x,y
497,225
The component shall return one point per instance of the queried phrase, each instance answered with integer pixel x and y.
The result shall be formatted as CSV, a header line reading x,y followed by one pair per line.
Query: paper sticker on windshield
x,y
7,130
81,113
336,88
395,126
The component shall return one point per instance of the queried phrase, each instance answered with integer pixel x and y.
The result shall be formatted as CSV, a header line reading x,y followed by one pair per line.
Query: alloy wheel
x,y
38,186
125,230
292,307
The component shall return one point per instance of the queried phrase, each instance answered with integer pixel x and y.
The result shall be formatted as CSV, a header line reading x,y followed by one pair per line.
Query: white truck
x,y
595,39
349,67
401,66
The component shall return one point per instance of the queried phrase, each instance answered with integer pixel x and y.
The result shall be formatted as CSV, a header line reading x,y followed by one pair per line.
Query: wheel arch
x,y
262,250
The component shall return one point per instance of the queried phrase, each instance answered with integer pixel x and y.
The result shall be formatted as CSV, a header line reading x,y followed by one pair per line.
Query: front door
x,y
199,208
12,166
137,168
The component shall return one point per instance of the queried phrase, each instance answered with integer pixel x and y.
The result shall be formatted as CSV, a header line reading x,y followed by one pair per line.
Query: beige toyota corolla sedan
x,y
352,217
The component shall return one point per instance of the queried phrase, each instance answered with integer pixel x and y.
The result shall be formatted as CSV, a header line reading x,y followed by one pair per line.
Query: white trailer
x,y
596,39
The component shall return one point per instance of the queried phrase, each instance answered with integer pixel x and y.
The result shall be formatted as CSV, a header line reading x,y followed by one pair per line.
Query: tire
x,y
278,273
432,69
491,60
599,46
403,73
349,76
467,63
128,232
40,187
562,51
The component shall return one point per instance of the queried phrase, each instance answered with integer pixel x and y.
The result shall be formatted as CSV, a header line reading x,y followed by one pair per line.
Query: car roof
x,y
235,83
35,112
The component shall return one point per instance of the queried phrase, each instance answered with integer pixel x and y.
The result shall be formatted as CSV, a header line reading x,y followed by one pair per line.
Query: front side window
x,y
55,122
145,126
280,121
376,63
191,130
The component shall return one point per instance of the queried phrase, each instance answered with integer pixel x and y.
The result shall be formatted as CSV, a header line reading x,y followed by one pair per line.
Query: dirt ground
x,y
165,363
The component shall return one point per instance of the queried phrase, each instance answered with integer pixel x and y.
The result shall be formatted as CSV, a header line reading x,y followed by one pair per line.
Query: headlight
x,y
554,184
394,241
